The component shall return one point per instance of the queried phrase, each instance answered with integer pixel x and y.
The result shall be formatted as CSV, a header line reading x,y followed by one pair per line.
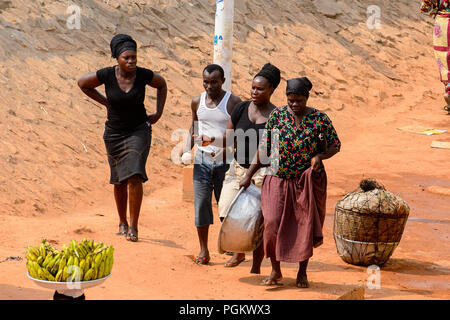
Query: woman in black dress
x,y
128,129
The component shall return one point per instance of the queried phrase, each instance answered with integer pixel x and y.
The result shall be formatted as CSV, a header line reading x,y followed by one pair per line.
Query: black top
x,y
126,110
247,133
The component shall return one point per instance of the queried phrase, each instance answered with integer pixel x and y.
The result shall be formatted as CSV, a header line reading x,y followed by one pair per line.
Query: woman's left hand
x,y
316,163
153,118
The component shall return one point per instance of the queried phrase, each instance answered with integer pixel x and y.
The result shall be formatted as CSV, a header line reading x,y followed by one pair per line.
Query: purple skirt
x,y
294,213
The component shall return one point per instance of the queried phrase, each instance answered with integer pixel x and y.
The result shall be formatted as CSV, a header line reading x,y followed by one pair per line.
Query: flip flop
x,y
123,229
202,260
234,263
272,282
446,108
132,234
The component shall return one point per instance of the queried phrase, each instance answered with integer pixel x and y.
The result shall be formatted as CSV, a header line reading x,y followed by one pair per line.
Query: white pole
x,y
223,38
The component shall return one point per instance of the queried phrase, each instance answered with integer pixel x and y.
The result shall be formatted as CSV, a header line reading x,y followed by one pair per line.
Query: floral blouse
x,y
431,7
297,145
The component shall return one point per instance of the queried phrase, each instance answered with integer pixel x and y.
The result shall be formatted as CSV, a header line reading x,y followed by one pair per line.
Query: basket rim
x,y
378,214
364,242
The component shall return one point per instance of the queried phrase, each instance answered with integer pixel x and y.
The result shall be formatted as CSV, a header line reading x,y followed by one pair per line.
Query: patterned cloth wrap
x,y
432,7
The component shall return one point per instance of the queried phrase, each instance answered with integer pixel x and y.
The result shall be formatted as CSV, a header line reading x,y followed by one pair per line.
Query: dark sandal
x,y
132,234
202,260
123,229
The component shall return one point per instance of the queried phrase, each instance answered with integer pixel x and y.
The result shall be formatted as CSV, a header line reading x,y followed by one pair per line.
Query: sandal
x,y
132,234
234,263
123,229
272,282
202,260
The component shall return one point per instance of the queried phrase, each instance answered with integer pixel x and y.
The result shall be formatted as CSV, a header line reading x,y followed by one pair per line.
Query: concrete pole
x,y
223,38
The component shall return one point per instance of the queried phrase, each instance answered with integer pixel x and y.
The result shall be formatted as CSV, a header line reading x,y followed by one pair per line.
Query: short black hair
x,y
214,67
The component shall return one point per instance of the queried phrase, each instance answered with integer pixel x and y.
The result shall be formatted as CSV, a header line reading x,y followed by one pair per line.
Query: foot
x,y
447,100
202,260
446,108
123,229
302,281
235,260
273,280
255,270
132,234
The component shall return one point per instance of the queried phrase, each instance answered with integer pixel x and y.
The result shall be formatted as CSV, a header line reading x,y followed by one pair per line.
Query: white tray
x,y
65,286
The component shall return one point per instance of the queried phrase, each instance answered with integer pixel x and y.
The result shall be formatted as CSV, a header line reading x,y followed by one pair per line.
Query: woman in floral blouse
x,y
293,195
440,10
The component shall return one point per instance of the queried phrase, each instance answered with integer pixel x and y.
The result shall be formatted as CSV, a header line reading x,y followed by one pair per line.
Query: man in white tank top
x,y
211,112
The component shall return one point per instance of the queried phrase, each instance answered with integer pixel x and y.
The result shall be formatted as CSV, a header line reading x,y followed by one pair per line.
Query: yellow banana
x,y
107,264
52,262
47,259
41,274
101,270
76,261
110,264
55,267
29,266
31,256
86,247
110,251
62,263
42,251
65,274
95,273
98,259
88,275
58,276
70,261
82,264
34,251
33,273
35,266
40,260
48,275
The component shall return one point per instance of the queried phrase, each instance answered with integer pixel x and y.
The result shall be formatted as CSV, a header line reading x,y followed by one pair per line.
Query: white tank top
x,y
212,122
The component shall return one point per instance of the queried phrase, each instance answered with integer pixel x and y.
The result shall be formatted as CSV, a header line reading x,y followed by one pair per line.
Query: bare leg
x,y
136,195
258,257
203,240
302,279
121,198
275,275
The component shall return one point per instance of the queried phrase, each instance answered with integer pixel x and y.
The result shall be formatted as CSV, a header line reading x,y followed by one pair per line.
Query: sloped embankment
x,y
51,152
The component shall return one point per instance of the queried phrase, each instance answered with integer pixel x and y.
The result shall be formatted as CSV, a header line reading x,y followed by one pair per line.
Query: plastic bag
x,y
242,228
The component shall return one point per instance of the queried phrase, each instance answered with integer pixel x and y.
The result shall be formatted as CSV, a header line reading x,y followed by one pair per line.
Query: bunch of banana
x,y
84,261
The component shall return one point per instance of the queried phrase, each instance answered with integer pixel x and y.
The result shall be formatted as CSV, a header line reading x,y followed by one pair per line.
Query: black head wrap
x,y
299,86
121,43
271,73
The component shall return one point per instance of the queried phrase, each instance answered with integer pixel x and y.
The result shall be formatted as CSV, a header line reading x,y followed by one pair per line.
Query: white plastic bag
x,y
242,228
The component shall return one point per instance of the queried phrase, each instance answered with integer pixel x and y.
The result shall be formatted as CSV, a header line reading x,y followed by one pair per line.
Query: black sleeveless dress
x,y
127,133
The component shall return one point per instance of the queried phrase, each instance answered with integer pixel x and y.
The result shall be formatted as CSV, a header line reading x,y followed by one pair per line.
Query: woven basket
x,y
368,226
